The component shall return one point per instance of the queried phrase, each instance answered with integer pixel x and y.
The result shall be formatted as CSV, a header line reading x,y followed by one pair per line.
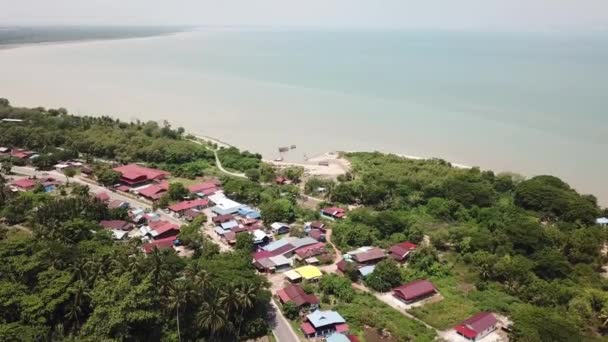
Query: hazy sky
x,y
526,15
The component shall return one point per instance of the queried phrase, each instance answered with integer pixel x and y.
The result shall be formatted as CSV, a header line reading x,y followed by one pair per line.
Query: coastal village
x,y
319,290
290,263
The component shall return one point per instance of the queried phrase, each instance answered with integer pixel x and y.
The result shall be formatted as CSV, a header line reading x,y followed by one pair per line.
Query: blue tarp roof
x,y
322,318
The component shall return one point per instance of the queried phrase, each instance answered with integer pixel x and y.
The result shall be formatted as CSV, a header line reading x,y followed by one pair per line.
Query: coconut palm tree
x,y
177,299
212,317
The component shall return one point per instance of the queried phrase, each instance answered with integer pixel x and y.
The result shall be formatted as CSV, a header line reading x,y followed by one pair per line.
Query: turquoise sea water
x,y
529,103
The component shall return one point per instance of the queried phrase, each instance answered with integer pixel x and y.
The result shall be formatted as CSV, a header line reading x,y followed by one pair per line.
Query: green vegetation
x,y
232,158
519,247
68,280
365,310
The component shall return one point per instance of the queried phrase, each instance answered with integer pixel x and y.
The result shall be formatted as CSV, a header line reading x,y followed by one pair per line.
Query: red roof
x,y
476,324
185,205
103,196
154,191
123,188
115,224
311,250
334,212
307,328
160,244
24,183
353,338
21,154
222,218
415,289
341,328
401,250
371,255
209,185
316,234
162,227
297,295
133,173
318,225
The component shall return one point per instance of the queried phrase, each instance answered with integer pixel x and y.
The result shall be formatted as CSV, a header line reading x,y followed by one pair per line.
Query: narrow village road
x,y
282,330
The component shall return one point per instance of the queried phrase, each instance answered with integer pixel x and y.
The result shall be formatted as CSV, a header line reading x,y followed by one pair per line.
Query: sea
x,y
530,103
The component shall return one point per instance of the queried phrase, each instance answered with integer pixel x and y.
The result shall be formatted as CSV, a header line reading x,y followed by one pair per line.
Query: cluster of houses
x,y
315,322
18,153
146,225
49,184
364,259
282,254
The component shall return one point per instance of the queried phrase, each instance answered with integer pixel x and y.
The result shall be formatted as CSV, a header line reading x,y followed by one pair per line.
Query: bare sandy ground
x,y
336,165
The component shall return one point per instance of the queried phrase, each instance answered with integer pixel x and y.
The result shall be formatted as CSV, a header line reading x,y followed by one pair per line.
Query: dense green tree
x,y
107,176
177,191
244,243
291,311
386,275
281,210
253,174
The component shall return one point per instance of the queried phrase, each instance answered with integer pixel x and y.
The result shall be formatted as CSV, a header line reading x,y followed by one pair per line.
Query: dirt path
x,y
217,160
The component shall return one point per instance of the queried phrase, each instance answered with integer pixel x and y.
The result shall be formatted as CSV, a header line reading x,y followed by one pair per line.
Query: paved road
x,y
282,330
94,188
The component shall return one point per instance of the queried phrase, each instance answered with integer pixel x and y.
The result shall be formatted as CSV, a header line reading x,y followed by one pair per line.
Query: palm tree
x,y
75,307
177,299
212,317
246,296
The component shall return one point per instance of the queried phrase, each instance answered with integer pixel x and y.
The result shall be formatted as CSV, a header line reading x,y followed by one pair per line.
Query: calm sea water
x,y
533,104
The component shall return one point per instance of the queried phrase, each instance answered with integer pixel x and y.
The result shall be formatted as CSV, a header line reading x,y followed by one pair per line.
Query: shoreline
x,y
12,46
336,165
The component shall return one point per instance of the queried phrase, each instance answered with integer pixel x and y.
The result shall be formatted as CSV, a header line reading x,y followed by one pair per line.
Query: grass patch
x,y
461,298
366,309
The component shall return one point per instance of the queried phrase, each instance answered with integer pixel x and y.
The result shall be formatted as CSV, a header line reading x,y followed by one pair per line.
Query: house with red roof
x,y
401,251
24,184
134,174
217,220
154,191
295,294
317,234
160,229
310,251
206,188
415,291
161,244
333,213
318,225
369,257
181,207
103,196
21,154
477,327
116,224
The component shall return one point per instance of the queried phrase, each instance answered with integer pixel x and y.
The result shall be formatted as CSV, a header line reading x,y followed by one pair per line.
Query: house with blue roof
x,y
323,323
